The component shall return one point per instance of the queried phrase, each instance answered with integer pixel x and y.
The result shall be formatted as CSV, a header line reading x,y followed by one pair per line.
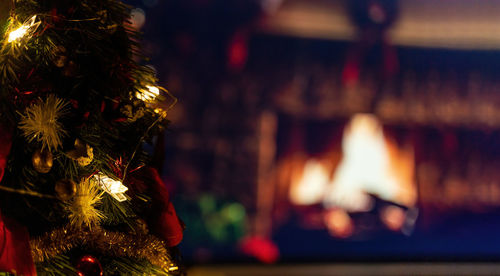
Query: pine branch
x,y
25,192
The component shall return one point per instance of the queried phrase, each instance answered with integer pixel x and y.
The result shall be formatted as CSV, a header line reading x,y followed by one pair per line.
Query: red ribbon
x,y
5,144
15,251
162,219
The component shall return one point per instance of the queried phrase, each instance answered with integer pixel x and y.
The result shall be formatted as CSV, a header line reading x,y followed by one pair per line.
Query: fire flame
x,y
371,164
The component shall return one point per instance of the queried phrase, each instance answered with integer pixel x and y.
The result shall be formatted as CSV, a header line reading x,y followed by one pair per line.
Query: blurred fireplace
x,y
371,163
326,170
359,175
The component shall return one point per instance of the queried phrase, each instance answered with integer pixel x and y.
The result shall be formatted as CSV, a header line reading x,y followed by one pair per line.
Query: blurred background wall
x,y
330,130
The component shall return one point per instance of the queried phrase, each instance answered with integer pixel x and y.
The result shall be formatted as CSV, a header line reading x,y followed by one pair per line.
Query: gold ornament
x,y
40,122
42,160
65,189
82,209
83,153
137,246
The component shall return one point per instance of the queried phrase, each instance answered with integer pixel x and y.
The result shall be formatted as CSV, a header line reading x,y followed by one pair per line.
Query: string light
x,y
160,112
115,188
149,94
28,28
156,100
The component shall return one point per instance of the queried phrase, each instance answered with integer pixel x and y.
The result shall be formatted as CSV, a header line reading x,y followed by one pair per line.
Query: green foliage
x,y
117,212
124,266
57,266
212,221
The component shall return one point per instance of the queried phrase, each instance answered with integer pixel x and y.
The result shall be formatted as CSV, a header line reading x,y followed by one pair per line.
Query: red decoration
x,y
238,51
162,219
261,248
5,143
89,266
15,253
373,18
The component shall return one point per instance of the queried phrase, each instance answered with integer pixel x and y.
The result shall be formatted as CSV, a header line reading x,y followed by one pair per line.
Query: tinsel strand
x,y
111,243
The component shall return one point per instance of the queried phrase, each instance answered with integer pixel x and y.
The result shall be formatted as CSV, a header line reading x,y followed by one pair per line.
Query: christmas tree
x,y
78,194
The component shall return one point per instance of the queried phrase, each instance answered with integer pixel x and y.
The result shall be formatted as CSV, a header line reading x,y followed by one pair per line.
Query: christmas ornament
x,y
113,187
89,266
82,209
40,122
25,30
59,57
83,153
65,189
42,160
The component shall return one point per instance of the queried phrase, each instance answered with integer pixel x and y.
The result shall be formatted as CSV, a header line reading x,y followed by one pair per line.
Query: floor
x,y
349,269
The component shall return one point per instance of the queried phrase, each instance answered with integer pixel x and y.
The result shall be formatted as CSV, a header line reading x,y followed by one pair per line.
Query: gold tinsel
x,y
117,244
40,122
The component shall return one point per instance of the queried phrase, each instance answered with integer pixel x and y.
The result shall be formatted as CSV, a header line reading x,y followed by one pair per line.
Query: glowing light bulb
x,y
27,28
157,98
18,33
148,95
115,188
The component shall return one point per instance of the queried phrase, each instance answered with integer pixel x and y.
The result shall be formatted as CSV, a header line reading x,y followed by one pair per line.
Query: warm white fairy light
x,y
27,28
148,94
115,188
157,99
